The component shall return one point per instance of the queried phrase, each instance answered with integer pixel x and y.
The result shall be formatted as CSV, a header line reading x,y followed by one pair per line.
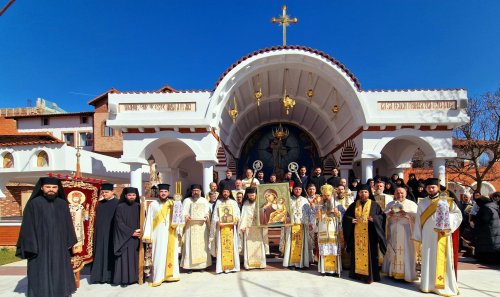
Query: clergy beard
x,y
130,202
51,196
327,206
163,200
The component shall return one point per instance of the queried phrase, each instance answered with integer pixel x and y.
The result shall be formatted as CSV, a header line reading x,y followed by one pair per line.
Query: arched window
x,y
8,160
42,159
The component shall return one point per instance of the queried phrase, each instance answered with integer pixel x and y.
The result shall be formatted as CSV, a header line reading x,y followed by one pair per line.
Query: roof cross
x,y
284,21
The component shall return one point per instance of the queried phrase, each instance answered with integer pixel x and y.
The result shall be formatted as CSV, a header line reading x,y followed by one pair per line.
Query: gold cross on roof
x,y
284,21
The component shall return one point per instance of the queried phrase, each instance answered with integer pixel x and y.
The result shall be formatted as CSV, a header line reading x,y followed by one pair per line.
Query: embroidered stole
x,y
361,240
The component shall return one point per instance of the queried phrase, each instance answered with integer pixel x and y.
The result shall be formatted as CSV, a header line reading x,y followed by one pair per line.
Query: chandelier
x,y
288,102
280,132
233,112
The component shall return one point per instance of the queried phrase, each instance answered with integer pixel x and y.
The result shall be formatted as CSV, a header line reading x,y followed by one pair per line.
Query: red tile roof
x,y
102,96
29,138
293,47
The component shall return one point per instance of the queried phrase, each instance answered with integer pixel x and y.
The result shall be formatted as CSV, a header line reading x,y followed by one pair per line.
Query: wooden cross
x,y
284,21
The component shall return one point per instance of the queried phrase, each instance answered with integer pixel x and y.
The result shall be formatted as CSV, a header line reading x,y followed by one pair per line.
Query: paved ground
x,y
474,280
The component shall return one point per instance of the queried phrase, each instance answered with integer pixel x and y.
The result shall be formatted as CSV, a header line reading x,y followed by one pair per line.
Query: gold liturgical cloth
x,y
361,242
296,246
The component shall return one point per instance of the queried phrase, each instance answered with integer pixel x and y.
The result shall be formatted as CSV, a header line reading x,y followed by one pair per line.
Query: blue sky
x,y
70,51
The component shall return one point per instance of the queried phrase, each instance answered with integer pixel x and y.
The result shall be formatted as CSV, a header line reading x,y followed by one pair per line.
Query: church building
x,y
279,105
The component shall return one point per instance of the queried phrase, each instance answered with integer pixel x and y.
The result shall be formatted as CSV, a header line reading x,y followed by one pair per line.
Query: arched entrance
x,y
277,153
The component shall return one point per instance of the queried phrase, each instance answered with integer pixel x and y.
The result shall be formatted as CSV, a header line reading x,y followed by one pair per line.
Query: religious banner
x,y
82,197
273,205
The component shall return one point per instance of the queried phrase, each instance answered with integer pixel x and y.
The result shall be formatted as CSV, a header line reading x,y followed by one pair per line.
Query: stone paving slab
x,y
481,283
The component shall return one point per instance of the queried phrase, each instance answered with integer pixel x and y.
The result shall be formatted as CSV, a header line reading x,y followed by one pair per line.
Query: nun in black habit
x,y
46,238
126,234
376,235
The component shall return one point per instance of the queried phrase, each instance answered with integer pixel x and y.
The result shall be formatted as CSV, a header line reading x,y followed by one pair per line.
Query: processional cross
x,y
284,21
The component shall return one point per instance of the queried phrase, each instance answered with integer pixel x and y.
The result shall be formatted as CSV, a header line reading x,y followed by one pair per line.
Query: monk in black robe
x,y
104,258
364,235
126,234
46,238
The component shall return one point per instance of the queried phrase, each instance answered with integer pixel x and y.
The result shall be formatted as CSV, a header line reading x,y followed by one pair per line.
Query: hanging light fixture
x,y
288,102
310,92
258,94
233,112
336,107
280,132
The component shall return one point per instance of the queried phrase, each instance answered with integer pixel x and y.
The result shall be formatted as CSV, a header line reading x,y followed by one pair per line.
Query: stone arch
x,y
410,136
334,75
41,159
486,188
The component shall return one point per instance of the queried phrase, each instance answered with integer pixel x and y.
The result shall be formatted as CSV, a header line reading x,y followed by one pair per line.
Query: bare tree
x,y
478,142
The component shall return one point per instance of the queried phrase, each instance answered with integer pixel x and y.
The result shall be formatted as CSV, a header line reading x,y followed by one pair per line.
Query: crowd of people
x,y
384,225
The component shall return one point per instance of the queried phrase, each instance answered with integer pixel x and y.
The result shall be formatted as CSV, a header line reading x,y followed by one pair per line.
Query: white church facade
x,y
332,120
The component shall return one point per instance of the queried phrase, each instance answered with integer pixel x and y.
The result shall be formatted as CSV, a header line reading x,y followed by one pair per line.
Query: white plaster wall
x,y
57,126
150,118
62,159
136,145
452,118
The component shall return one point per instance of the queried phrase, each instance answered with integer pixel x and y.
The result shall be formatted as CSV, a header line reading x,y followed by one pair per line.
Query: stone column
x,y
208,169
136,176
367,169
438,165
344,172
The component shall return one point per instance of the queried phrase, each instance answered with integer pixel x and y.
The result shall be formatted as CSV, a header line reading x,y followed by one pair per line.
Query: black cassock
x,y
126,247
376,238
104,258
46,237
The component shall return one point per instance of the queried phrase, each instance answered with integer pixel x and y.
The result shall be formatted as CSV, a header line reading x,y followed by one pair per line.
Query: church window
x,y
45,121
86,139
69,138
42,159
8,160
107,131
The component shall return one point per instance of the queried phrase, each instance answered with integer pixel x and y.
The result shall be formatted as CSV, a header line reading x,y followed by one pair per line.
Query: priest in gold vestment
x,y
254,239
400,258
295,238
364,234
162,235
196,211
328,233
437,218
223,240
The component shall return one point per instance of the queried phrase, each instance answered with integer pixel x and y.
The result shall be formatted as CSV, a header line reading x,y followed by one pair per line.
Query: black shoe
x,y
291,267
189,271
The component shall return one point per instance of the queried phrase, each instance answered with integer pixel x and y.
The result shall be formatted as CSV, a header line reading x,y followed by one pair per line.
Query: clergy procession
x,y
373,230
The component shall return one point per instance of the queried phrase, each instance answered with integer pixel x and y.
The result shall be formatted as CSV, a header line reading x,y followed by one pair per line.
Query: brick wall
x,y
11,205
110,145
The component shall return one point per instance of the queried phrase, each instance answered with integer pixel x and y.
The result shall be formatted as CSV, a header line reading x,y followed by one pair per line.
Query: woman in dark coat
x,y
487,230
